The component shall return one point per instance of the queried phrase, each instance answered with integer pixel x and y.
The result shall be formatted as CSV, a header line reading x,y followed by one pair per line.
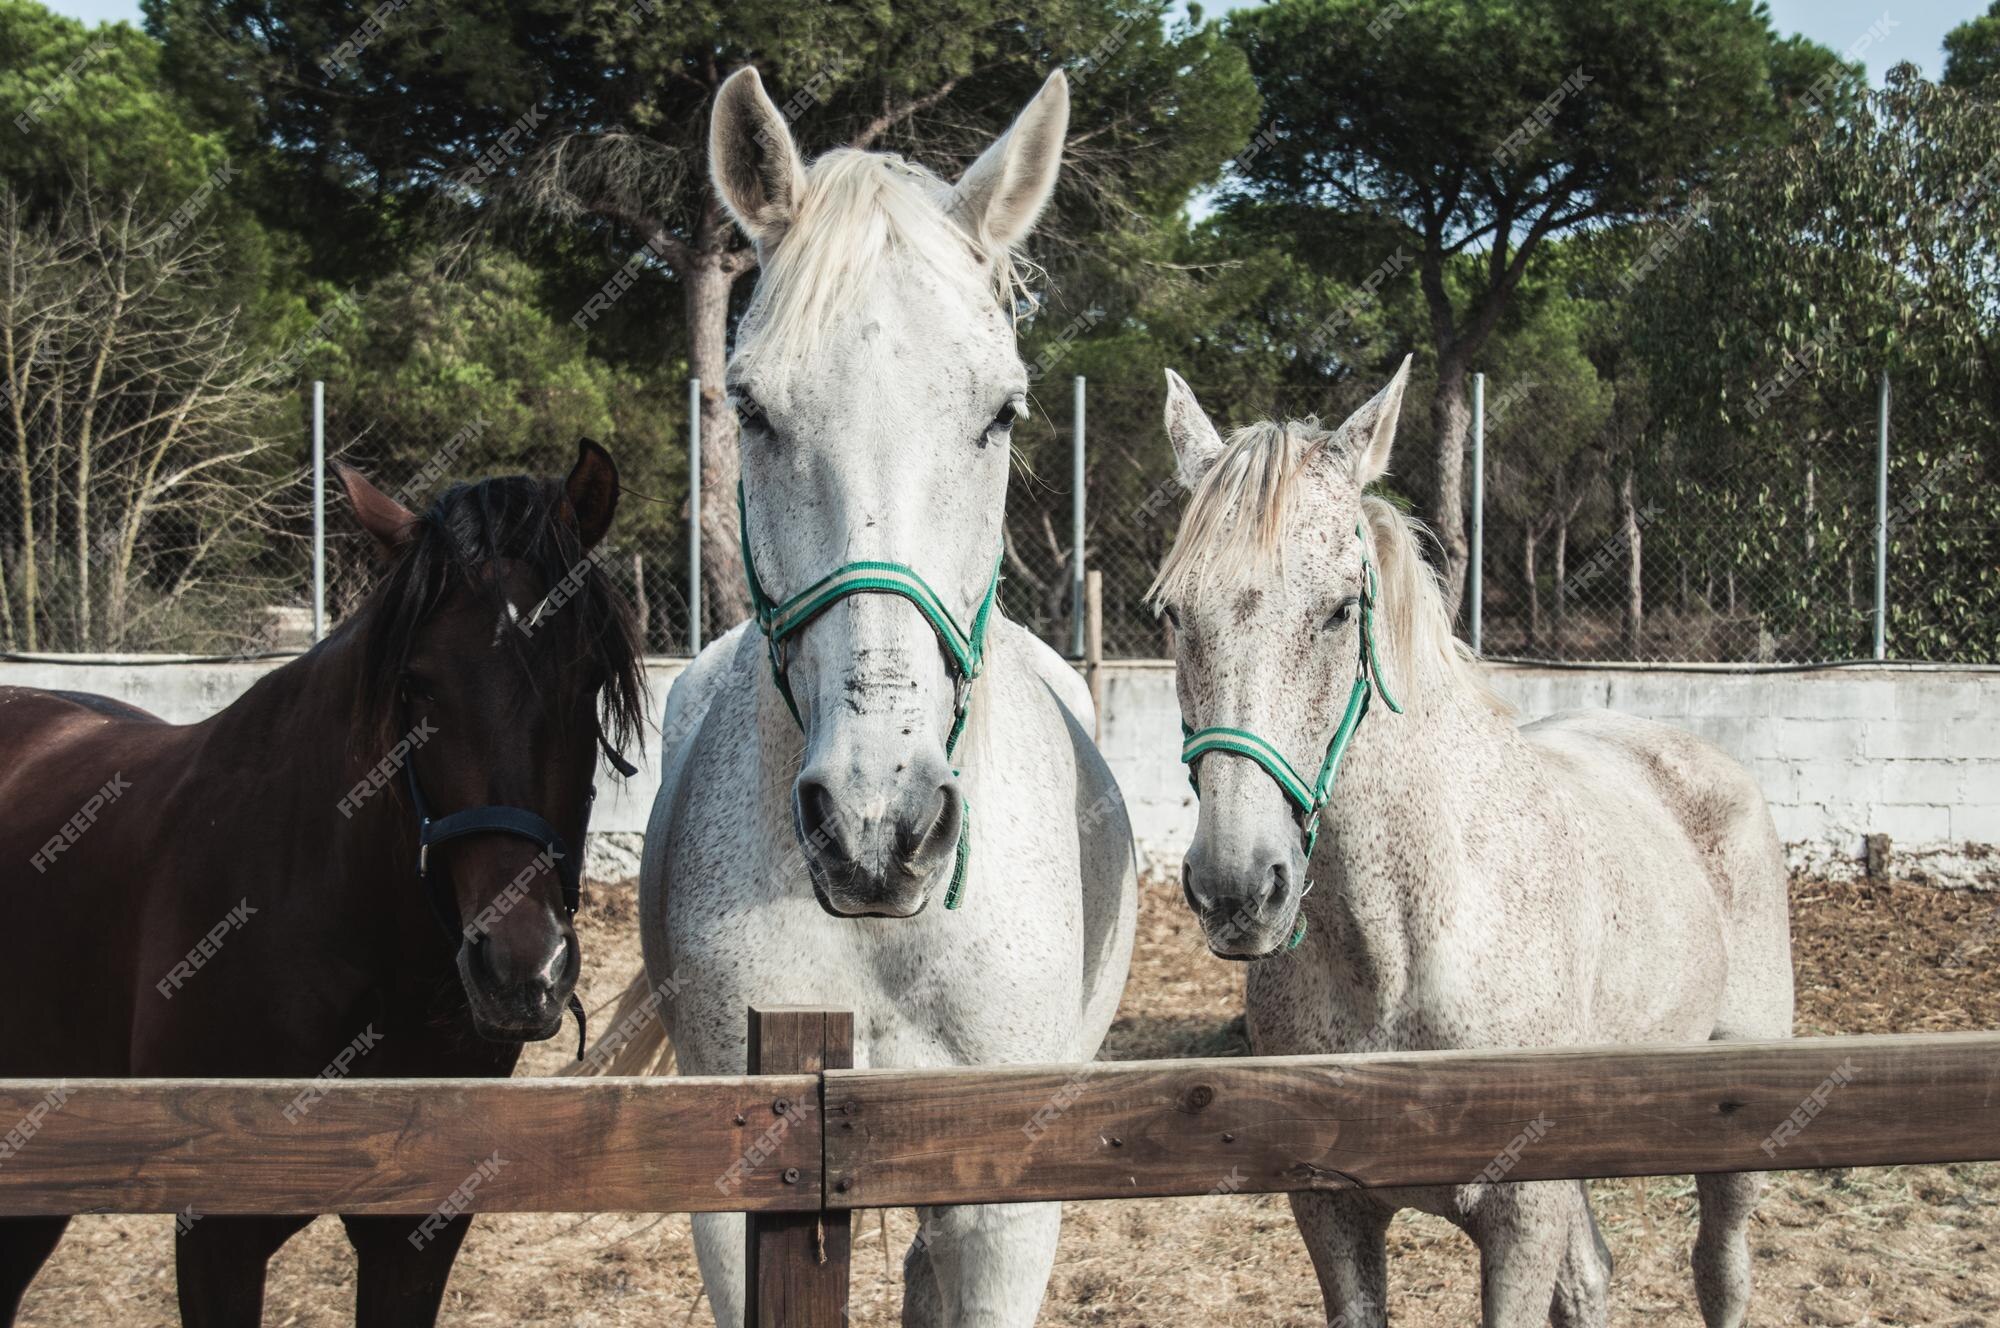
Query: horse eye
x,y
1010,412
1345,611
1171,616
419,688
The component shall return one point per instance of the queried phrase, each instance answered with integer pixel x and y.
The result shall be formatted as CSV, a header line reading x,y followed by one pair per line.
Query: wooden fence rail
x,y
805,1140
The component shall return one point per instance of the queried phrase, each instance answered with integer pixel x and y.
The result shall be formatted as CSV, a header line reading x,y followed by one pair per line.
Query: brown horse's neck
x,y
293,740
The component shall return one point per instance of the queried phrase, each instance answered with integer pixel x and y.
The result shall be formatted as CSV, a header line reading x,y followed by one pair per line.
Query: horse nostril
x,y
1276,885
1195,898
817,814
936,825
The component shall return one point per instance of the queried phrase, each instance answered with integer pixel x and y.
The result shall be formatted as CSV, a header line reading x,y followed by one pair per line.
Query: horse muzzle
x,y
876,851
1248,904
515,997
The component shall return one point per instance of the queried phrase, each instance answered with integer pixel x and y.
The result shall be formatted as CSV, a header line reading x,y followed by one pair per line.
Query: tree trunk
x,y
1635,607
1451,425
708,281
1561,587
6,605
1534,592
639,604
30,589
1812,511
81,536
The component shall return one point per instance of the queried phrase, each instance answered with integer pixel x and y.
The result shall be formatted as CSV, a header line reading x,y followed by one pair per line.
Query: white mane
x,y
856,210
1235,527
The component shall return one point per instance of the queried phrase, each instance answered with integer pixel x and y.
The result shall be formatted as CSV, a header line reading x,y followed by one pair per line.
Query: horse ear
x,y
1196,443
592,490
752,160
388,522
1001,194
1369,434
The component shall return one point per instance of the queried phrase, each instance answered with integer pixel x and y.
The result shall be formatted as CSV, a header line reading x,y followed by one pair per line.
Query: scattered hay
x,y
1898,1247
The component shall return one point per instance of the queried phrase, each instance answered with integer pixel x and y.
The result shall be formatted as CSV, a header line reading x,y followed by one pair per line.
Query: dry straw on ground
x,y
1895,1246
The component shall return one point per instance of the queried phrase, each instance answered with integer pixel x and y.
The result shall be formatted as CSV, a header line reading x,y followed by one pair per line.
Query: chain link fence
x,y
1760,556
1625,551
646,553
123,532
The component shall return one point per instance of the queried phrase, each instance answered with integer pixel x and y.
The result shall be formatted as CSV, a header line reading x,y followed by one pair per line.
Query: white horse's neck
x,y
1414,794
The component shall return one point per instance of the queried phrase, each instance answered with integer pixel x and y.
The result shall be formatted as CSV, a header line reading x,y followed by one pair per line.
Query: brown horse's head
x,y
496,655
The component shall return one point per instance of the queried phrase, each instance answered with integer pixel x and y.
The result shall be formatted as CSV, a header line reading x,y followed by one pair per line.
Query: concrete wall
x,y
1913,753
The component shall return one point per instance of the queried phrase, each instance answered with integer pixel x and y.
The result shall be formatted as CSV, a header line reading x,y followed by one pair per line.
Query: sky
x,y
1888,31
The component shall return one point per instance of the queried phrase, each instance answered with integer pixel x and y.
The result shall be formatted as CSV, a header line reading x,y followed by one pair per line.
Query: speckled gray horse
x,y
809,860
1587,878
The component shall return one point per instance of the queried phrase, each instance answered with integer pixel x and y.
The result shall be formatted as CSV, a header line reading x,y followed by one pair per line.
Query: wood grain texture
x,y
1111,1130
397,1146
797,1270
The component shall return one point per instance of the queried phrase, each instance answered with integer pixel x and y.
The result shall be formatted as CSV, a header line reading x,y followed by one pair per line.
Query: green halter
x,y
1310,799
966,650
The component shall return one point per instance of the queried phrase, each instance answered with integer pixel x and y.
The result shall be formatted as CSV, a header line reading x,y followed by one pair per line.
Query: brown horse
x,y
260,894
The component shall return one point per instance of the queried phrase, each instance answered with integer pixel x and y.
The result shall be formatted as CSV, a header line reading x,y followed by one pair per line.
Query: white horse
x,y
825,834
1588,878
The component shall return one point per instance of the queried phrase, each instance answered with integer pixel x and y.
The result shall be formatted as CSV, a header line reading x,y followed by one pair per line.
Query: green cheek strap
x,y
965,650
1309,799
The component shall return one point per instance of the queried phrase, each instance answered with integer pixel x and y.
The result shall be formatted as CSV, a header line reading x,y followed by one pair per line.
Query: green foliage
x,y
1866,246
427,355
1972,51
94,109
1279,206
92,104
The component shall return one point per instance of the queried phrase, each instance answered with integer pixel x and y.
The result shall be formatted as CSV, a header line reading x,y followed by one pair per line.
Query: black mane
x,y
589,633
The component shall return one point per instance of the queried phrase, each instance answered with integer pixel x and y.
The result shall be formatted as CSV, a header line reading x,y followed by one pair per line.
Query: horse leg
x,y
923,1303
25,1245
397,1282
1722,1247
1523,1231
1583,1284
991,1263
220,1261
1346,1234
719,1249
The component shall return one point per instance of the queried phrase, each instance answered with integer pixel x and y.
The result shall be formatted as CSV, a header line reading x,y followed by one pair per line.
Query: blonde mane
x,y
1235,525
855,210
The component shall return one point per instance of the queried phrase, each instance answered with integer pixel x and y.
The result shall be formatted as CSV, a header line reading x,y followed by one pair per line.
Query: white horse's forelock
x,y
1235,527
856,210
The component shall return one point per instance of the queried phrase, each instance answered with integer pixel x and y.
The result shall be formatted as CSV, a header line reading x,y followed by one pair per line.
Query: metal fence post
x,y
694,516
319,509
1476,571
1882,519
1076,607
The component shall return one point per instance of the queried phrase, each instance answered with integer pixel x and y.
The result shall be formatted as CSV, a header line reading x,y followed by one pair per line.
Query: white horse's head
x,y
878,377
1264,587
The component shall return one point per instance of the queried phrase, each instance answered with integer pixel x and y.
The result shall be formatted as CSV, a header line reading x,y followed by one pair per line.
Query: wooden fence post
x,y
798,1262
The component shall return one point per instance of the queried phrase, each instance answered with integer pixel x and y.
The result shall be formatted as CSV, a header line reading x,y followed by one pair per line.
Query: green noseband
x,y
1309,798
965,649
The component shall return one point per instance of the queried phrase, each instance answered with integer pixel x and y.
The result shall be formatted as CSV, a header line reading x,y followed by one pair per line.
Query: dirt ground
x,y
1895,1246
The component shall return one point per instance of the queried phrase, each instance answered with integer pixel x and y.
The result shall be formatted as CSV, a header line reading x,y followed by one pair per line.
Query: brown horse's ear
x,y
387,521
592,489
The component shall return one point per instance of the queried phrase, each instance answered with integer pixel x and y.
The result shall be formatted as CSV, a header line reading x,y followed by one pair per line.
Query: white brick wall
x,y
1840,753
1913,753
